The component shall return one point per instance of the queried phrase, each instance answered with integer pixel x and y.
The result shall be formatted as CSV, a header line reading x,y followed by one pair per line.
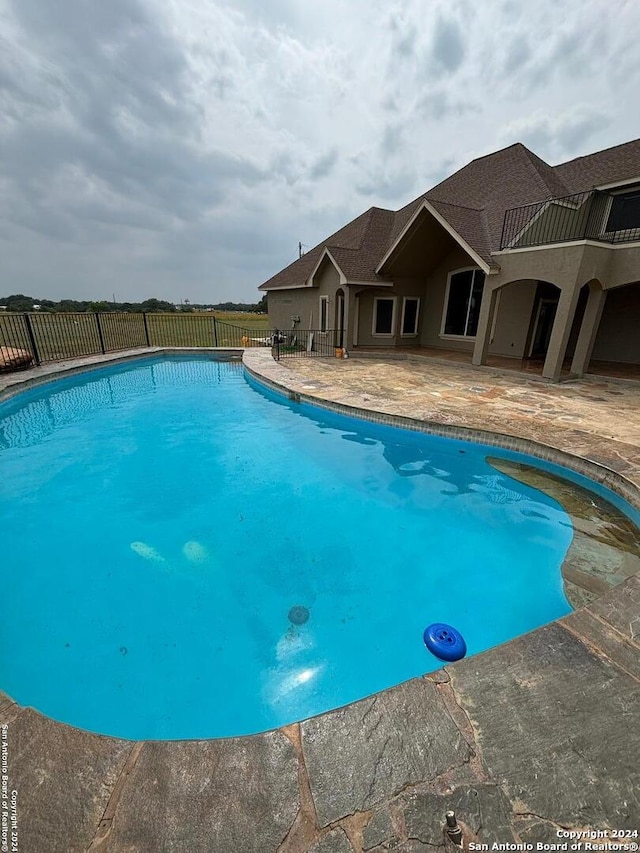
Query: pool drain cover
x,y
298,615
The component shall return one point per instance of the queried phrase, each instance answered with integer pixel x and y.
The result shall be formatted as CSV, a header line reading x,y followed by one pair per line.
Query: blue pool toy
x,y
444,642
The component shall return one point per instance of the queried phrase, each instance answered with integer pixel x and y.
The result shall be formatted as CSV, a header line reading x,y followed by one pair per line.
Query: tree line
x,y
20,302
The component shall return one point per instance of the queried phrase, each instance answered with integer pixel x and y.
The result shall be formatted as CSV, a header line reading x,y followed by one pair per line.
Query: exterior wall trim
x,y
621,184
550,246
285,287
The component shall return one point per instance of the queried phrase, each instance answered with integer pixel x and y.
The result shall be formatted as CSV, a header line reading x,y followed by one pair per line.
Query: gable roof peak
x,y
515,145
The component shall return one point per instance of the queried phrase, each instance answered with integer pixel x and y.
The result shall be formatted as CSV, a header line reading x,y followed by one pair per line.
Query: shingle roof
x,y
357,248
469,222
508,178
473,201
604,167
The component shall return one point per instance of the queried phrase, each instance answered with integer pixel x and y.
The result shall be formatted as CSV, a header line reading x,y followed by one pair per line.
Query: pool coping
x,y
275,376
309,801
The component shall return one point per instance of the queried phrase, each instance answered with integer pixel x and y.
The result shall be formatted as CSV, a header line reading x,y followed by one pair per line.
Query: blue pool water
x,y
160,520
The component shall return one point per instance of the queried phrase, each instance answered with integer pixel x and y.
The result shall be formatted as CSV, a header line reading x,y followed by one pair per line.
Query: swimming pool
x,y
190,555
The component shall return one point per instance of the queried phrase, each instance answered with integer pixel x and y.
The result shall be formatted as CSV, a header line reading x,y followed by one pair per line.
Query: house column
x,y
485,324
588,330
356,318
347,340
561,330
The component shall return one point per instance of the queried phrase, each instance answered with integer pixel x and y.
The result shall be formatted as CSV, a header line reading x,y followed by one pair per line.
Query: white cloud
x,y
188,145
559,134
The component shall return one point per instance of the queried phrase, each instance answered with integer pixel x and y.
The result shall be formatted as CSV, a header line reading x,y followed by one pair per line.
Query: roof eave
x,y
283,286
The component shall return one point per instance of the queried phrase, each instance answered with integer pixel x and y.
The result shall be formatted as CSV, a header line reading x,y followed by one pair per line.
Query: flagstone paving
x,y
533,737
594,417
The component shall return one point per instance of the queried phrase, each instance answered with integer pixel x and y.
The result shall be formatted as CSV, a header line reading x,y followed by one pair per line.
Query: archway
x,y
542,318
616,344
519,318
527,319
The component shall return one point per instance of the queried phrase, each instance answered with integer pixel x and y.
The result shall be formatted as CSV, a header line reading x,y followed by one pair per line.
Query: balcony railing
x,y
582,216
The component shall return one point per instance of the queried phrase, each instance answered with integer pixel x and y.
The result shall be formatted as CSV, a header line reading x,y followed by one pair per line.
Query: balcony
x,y
592,215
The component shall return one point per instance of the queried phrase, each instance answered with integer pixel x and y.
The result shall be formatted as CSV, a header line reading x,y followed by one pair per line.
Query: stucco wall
x,y
327,278
304,302
513,319
624,267
618,338
283,304
564,266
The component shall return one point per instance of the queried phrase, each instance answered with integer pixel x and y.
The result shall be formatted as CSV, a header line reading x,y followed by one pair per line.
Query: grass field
x,y
59,336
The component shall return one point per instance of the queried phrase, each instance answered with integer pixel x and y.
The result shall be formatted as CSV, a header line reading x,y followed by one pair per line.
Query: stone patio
x,y
532,737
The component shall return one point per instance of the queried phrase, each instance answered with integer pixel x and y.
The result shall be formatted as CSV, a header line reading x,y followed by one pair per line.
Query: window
x,y
410,309
324,312
624,214
383,311
462,303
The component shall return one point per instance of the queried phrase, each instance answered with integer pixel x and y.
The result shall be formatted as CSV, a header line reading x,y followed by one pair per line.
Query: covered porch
x,y
528,366
570,330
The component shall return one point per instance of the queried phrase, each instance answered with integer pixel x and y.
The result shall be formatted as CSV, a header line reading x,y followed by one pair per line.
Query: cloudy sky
x,y
182,148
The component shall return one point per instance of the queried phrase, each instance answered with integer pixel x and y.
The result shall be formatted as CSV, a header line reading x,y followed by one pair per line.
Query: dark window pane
x,y
323,314
410,324
465,298
384,316
459,289
625,212
476,301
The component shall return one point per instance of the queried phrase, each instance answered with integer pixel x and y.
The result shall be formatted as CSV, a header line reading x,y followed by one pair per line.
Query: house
x,y
509,256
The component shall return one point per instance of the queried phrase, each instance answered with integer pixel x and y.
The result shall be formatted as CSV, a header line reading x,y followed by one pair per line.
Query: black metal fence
x,y
43,337
300,343
582,216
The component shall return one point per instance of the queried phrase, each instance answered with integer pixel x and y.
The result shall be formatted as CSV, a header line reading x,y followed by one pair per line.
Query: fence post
x,y
146,328
215,331
32,339
277,346
99,325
